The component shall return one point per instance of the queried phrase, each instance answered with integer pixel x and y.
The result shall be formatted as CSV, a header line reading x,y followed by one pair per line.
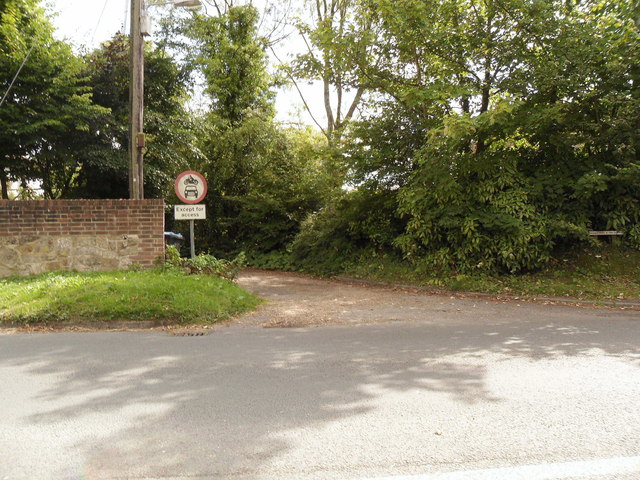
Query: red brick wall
x,y
142,220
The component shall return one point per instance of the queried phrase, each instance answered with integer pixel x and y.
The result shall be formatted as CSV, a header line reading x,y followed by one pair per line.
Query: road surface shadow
x,y
249,402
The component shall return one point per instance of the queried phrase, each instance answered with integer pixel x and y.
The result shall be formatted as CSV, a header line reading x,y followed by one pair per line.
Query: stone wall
x,y
84,235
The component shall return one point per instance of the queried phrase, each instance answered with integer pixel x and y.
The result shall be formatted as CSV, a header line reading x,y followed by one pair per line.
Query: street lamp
x,y
136,94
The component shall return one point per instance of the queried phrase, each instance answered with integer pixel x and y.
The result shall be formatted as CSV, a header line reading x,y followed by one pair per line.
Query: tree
x,y
339,42
171,130
518,161
500,129
262,179
48,101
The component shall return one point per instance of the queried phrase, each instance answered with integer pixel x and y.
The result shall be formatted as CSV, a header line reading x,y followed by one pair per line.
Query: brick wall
x,y
44,235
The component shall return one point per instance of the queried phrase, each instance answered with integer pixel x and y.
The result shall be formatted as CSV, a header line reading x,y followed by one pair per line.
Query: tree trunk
x,y
466,107
4,183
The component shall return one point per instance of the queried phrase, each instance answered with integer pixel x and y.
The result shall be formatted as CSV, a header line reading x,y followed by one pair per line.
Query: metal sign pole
x,y
193,240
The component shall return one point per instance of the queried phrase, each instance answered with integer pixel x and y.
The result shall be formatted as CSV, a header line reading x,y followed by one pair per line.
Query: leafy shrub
x,y
276,260
205,264
471,211
358,222
633,236
172,256
612,195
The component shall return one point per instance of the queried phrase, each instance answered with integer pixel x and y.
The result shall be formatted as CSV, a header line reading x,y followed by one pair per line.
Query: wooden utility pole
x,y
136,103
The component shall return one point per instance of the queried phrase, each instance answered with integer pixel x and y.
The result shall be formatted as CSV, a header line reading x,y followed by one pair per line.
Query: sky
x,y
88,23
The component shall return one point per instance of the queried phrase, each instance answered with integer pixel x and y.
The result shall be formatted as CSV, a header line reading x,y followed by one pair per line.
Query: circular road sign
x,y
190,187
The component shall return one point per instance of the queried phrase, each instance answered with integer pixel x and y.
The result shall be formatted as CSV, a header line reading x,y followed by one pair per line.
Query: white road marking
x,y
549,471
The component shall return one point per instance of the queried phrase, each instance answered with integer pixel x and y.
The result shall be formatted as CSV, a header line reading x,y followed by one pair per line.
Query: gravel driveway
x,y
295,300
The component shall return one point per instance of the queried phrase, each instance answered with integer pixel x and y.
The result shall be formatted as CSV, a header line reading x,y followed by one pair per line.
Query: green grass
x,y
605,273
156,295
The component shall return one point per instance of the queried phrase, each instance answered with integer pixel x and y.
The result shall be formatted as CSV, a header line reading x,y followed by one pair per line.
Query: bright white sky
x,y
88,23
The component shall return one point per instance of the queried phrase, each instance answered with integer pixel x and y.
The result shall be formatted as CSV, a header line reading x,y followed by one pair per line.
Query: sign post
x,y
191,188
192,239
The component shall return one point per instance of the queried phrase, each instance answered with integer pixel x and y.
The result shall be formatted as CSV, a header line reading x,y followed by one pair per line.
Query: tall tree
x,y
501,128
517,158
338,37
239,123
262,180
171,130
45,116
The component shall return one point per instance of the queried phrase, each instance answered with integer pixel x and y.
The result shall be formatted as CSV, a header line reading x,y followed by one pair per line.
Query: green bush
x,y
633,237
471,212
205,264
356,224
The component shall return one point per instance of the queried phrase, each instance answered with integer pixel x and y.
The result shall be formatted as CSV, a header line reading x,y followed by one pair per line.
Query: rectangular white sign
x,y
190,212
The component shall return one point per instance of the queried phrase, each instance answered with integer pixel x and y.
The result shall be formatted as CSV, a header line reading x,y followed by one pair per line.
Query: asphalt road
x,y
502,394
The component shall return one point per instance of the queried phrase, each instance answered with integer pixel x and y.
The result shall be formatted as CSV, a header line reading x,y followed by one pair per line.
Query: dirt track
x,y
297,301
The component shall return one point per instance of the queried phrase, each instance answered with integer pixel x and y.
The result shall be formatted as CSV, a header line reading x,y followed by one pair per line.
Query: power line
x,y
16,75
126,16
104,7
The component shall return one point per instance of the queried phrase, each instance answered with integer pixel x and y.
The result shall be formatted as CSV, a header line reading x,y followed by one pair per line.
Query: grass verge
x,y
156,295
606,273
